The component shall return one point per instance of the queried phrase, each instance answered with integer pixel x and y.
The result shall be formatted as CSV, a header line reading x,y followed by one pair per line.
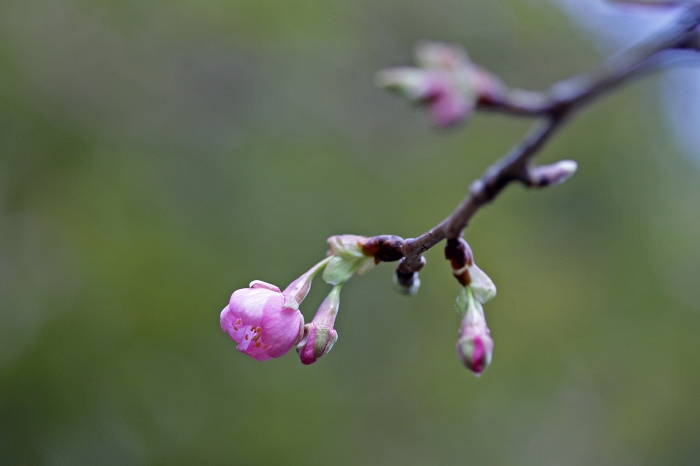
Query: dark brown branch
x,y
554,107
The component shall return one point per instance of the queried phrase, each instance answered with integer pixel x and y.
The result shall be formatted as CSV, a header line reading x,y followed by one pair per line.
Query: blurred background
x,y
156,156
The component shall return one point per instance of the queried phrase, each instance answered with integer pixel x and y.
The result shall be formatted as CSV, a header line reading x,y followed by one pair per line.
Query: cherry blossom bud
x,y
320,336
264,321
458,252
446,81
474,346
348,257
548,175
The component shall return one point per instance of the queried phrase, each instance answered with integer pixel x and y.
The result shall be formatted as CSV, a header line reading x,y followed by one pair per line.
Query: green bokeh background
x,y
155,156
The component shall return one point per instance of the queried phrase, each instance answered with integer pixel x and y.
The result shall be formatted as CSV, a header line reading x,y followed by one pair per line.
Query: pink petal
x,y
258,352
263,285
247,304
449,108
244,342
232,325
307,353
252,344
280,329
479,356
436,85
224,320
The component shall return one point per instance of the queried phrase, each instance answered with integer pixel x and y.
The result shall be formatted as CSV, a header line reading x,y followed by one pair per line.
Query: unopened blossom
x,y
446,81
320,336
264,321
474,346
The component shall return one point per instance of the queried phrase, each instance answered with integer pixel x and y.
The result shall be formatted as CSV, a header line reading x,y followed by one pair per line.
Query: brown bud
x,y
406,279
384,248
458,252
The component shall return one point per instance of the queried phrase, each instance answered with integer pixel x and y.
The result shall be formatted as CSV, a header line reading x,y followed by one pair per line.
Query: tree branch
x,y
553,107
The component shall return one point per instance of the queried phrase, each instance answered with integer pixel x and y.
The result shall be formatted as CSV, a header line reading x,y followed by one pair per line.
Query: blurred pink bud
x,y
474,346
264,321
448,102
320,336
446,81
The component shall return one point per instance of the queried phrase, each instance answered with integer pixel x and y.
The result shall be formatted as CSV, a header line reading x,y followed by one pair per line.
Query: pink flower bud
x,y
446,81
474,346
316,342
448,102
320,336
264,321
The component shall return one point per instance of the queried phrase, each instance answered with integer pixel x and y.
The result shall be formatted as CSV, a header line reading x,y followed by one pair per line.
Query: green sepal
x,y
462,302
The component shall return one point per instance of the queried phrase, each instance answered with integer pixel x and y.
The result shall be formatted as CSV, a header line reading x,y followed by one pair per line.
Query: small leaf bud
x,y
549,175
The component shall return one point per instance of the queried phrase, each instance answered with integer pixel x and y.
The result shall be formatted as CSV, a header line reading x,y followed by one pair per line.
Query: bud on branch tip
x,y
549,175
445,81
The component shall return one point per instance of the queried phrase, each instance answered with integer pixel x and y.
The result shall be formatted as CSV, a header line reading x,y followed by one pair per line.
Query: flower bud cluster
x,y
266,322
445,80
